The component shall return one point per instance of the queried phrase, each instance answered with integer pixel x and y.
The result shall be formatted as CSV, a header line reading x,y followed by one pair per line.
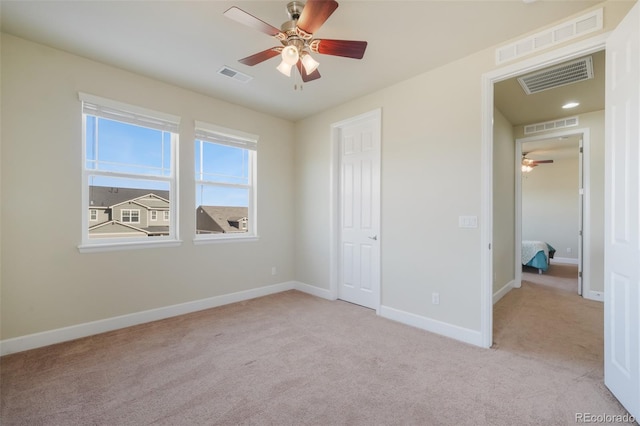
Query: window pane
x,y
124,207
213,195
221,163
222,210
127,148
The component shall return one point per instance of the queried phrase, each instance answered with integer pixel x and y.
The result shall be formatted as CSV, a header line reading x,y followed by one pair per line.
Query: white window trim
x,y
93,215
153,215
166,215
231,137
131,114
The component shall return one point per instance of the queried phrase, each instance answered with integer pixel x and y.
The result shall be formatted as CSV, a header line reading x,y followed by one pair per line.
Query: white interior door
x,y
622,230
359,210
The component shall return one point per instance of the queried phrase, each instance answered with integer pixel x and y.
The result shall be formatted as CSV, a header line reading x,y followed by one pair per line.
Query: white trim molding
x,y
313,290
565,260
50,337
503,291
434,326
598,296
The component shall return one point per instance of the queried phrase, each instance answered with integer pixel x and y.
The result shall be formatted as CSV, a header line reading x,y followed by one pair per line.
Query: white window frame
x,y
131,114
93,215
208,132
153,215
166,215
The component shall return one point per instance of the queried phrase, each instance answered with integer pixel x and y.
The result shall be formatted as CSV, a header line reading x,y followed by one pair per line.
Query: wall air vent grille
x,y
550,125
234,74
556,76
564,32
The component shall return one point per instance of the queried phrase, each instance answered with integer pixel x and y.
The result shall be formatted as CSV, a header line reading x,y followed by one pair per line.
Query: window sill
x,y
94,248
216,240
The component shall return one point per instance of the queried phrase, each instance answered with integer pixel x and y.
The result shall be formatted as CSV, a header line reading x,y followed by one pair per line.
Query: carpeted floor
x,y
293,359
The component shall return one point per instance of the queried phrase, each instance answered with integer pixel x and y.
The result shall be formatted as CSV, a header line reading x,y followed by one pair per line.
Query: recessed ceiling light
x,y
570,105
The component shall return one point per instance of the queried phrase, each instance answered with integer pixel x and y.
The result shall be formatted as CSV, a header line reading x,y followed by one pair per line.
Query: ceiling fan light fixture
x,y
309,63
285,68
290,55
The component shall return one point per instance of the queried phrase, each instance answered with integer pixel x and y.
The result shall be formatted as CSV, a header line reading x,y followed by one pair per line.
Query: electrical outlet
x,y
274,270
435,298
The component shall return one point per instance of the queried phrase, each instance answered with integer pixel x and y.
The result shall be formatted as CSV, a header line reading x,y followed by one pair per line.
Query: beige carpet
x,y
293,359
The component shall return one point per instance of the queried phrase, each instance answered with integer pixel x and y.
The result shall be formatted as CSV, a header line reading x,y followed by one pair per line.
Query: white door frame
x,y
584,254
569,52
334,204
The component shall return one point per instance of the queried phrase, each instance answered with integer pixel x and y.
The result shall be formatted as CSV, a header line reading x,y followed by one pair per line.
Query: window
x,y
128,174
166,215
154,215
130,216
225,165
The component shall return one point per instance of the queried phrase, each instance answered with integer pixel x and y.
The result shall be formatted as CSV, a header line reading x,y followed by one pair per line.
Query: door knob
x,y
375,237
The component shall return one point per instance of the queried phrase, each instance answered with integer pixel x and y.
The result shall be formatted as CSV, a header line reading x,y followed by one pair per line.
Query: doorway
x,y
356,144
575,51
557,209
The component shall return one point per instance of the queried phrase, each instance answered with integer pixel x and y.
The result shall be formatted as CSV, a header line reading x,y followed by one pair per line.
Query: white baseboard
x,y
595,295
503,291
45,338
565,260
313,290
438,327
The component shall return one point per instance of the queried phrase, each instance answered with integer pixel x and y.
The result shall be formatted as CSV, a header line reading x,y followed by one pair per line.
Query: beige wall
x,y
431,148
595,123
46,282
431,170
550,205
503,201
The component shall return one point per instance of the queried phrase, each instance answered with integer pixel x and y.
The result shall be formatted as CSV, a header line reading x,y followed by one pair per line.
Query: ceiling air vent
x,y
234,74
559,75
551,125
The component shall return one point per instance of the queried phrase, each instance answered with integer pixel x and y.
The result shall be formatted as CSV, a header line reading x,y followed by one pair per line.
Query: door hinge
x,y
581,150
489,246
580,233
580,274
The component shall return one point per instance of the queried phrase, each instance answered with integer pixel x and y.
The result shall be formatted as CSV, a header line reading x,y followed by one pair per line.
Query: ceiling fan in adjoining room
x,y
528,164
296,37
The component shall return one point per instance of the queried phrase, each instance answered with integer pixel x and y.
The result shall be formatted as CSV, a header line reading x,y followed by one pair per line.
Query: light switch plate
x,y
468,221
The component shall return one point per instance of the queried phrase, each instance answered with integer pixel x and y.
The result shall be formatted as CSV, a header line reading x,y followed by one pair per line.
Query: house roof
x,y
221,215
107,196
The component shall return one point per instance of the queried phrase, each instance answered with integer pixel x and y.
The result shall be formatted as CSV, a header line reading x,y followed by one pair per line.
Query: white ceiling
x,y
185,43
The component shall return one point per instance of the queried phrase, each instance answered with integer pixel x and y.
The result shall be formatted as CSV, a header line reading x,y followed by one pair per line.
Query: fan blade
x,y
345,48
315,13
249,20
307,77
261,56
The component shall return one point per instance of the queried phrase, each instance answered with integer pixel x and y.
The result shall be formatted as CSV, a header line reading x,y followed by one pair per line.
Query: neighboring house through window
x,y
225,164
154,215
129,173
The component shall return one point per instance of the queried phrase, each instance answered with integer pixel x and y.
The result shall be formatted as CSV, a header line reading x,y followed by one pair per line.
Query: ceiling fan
x,y
528,164
296,36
